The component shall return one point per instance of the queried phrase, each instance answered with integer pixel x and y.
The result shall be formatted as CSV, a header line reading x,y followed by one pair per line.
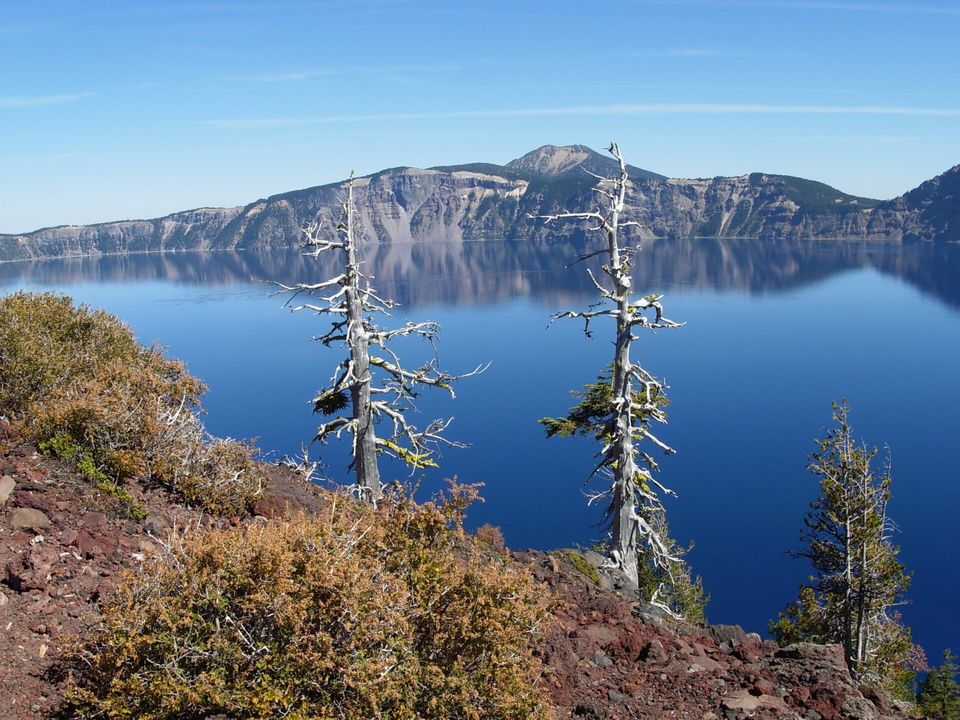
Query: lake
x,y
774,332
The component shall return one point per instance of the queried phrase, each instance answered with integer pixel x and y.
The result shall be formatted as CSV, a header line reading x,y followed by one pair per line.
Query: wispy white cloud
x,y
289,77
29,101
857,139
869,7
604,110
849,92
688,52
301,75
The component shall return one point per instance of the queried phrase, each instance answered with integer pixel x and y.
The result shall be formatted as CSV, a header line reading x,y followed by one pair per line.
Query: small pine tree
x,y
673,586
858,581
939,697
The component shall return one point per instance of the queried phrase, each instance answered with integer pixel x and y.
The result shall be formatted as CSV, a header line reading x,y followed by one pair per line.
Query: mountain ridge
x,y
483,201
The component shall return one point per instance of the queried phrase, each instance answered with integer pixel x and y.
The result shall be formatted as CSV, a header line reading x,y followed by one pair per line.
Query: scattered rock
x,y
25,517
653,652
858,708
93,544
877,697
649,614
749,651
763,687
93,520
36,500
7,485
733,635
599,633
155,525
31,569
826,654
742,701
601,660
271,506
616,697
590,711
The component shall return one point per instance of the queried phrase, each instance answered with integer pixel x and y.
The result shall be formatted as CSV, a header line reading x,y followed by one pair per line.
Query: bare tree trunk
x,y
625,529
365,452
865,584
848,598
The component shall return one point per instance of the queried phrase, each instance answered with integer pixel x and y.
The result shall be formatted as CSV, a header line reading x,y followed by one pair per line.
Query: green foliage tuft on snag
x,y
592,415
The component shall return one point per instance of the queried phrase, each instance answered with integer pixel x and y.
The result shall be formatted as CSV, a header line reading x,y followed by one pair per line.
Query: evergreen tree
x,y
858,581
939,697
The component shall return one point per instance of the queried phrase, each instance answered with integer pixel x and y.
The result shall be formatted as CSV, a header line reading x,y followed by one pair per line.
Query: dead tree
x,y
370,380
635,510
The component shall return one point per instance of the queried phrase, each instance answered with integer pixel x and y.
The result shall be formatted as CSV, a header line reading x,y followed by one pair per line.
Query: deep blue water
x,y
773,334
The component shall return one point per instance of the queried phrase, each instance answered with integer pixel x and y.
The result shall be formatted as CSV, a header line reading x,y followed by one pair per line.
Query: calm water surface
x,y
773,334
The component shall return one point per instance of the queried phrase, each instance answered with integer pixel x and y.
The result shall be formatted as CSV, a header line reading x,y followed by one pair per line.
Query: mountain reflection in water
x,y
474,273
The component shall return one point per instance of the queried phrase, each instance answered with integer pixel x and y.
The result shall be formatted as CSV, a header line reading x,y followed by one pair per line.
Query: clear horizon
x,y
114,111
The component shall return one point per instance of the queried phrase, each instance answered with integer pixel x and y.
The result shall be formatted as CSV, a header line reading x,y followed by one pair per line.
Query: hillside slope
x,y
605,656
484,201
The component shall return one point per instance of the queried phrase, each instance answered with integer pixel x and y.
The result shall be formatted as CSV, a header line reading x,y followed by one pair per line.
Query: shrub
x,y
583,566
222,477
83,387
492,537
46,344
358,613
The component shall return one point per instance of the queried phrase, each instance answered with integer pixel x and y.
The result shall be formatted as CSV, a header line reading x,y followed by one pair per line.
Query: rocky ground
x,y
609,657
63,548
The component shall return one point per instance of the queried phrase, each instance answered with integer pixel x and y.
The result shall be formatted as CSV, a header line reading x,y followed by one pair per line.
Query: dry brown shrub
x,y
353,615
35,332
83,387
492,537
223,477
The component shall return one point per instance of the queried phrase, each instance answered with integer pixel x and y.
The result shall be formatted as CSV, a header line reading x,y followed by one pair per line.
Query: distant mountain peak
x,y
553,159
556,160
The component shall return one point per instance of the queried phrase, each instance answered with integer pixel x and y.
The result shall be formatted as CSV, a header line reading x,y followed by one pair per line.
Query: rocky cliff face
x,y
482,201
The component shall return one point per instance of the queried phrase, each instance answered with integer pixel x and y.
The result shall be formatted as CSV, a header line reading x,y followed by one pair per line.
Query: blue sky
x,y
113,110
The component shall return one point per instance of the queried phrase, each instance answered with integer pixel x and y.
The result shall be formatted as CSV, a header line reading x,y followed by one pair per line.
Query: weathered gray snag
x,y
370,379
635,510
